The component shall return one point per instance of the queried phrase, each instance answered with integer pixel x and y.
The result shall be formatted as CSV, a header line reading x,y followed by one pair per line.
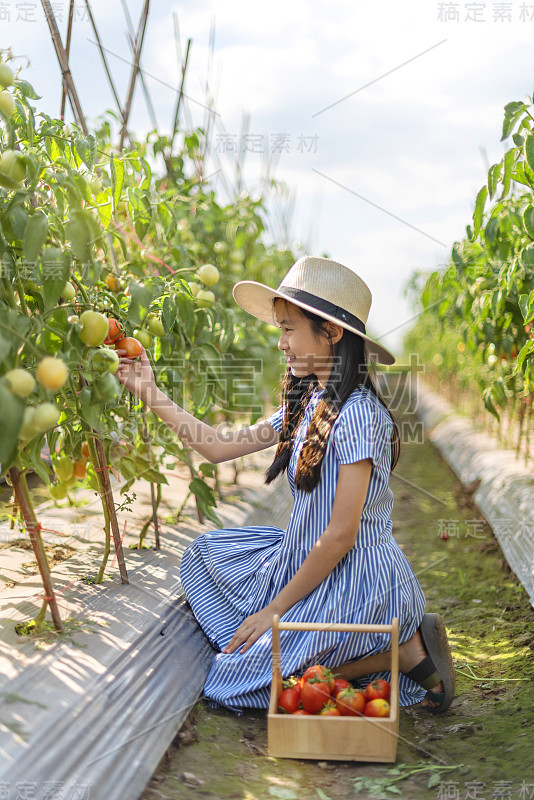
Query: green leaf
x,y
86,149
140,303
526,306
529,151
19,219
528,220
512,112
488,403
78,230
10,422
478,212
494,174
35,236
508,164
53,268
186,311
169,312
27,89
117,180
141,211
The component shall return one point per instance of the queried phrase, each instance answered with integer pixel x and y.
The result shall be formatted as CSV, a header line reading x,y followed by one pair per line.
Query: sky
x,y
379,119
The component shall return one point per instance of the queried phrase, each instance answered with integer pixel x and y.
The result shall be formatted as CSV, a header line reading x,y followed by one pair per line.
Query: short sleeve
x,y
362,430
277,419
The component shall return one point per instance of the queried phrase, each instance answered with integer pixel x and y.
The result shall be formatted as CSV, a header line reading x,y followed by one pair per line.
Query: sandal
x,y
437,666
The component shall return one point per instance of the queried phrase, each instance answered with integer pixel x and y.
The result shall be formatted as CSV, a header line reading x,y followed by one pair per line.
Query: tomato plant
x,y
77,223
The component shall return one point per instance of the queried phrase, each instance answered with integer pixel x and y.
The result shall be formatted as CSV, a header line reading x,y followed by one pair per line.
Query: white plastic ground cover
x,y
505,495
91,717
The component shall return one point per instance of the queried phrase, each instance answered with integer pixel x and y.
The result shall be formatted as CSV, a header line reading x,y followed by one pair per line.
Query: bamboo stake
x,y
110,505
180,97
33,529
64,66
67,49
102,54
135,70
146,439
148,99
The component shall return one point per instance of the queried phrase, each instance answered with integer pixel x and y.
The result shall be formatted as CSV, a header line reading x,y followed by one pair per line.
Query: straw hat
x,y
324,287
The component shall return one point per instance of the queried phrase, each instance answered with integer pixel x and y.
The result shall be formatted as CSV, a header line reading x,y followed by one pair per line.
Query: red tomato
x,y
115,332
339,684
330,710
377,708
302,712
378,689
289,700
350,702
320,672
314,695
132,347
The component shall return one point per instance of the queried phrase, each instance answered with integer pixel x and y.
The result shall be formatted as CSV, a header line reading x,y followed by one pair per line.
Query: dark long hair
x,y
349,370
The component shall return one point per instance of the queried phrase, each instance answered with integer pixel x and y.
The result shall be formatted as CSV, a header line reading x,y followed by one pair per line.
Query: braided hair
x,y
349,370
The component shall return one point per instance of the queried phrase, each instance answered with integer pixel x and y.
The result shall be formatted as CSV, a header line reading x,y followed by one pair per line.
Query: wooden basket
x,y
337,738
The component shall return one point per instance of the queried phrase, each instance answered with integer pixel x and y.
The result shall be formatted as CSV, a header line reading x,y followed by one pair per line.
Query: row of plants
x,y
100,249
483,302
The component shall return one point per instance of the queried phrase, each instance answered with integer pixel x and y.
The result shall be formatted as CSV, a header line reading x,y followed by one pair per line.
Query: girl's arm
x,y
212,445
336,541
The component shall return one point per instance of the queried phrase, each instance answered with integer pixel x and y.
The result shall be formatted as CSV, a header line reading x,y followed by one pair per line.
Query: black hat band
x,y
323,305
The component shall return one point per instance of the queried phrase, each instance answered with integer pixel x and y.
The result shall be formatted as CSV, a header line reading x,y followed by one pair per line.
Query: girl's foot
x,y
426,659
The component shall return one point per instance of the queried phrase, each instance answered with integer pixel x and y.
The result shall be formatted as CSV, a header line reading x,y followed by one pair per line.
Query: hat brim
x,y
256,299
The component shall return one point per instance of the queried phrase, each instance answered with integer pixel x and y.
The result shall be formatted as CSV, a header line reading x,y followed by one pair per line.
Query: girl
x,y
337,560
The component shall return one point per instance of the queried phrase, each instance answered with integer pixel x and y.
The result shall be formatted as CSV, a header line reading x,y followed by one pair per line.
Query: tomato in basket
x,y
378,690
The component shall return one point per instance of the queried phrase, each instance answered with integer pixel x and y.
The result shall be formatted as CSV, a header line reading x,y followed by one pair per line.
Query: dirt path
x,y
481,748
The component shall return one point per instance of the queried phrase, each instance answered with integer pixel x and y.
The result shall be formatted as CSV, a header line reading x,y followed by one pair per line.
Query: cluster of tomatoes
x,y
318,691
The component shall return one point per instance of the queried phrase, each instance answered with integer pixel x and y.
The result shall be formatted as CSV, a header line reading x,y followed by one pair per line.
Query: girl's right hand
x,y
136,375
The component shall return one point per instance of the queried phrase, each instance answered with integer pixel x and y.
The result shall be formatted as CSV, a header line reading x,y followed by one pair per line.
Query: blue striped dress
x,y
230,573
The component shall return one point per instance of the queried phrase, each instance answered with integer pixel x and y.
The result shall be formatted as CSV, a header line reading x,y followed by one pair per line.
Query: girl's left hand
x,y
250,630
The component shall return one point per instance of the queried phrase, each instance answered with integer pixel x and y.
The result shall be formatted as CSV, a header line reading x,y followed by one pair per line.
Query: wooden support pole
x,y
67,50
135,70
64,66
146,439
110,504
34,532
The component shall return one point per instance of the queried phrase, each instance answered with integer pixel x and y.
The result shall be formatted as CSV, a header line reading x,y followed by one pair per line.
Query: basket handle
x,y
276,686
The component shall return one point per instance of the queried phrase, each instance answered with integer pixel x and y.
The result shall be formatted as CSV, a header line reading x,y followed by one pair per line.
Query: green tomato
x,y
155,326
238,256
205,298
195,288
221,247
7,103
58,491
105,389
105,360
46,416
94,328
6,76
12,168
208,274
68,292
96,186
28,429
68,484
63,467
20,382
143,337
